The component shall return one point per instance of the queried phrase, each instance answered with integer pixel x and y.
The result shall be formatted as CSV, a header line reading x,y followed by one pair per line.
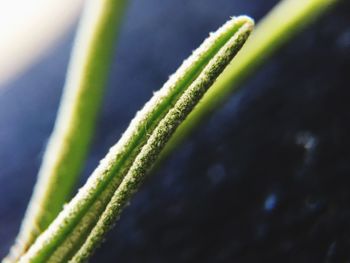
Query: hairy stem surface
x,y
83,223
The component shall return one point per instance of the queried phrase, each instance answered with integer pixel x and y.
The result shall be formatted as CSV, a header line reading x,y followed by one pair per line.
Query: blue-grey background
x,y
266,179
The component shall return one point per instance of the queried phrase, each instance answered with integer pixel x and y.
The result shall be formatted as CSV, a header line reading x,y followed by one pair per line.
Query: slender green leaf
x,y
69,142
81,226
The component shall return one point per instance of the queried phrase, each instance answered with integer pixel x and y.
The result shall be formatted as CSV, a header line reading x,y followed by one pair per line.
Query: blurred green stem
x,y
69,143
282,23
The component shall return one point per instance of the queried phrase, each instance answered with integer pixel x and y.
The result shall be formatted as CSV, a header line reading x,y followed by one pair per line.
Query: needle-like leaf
x,y
80,227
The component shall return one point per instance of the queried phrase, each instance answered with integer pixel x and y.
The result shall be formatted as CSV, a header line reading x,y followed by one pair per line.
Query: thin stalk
x,y
83,223
282,23
69,143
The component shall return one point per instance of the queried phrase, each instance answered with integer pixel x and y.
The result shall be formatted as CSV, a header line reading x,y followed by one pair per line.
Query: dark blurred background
x,y
266,179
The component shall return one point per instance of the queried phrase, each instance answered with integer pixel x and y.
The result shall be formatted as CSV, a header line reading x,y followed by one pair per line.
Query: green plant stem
x,y
83,223
282,23
69,142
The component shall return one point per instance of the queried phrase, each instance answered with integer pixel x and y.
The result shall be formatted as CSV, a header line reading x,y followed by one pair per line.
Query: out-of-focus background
x,y
266,179
28,29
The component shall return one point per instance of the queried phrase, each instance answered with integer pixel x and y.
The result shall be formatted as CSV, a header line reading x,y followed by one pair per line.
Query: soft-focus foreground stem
x,y
287,19
69,142
84,221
